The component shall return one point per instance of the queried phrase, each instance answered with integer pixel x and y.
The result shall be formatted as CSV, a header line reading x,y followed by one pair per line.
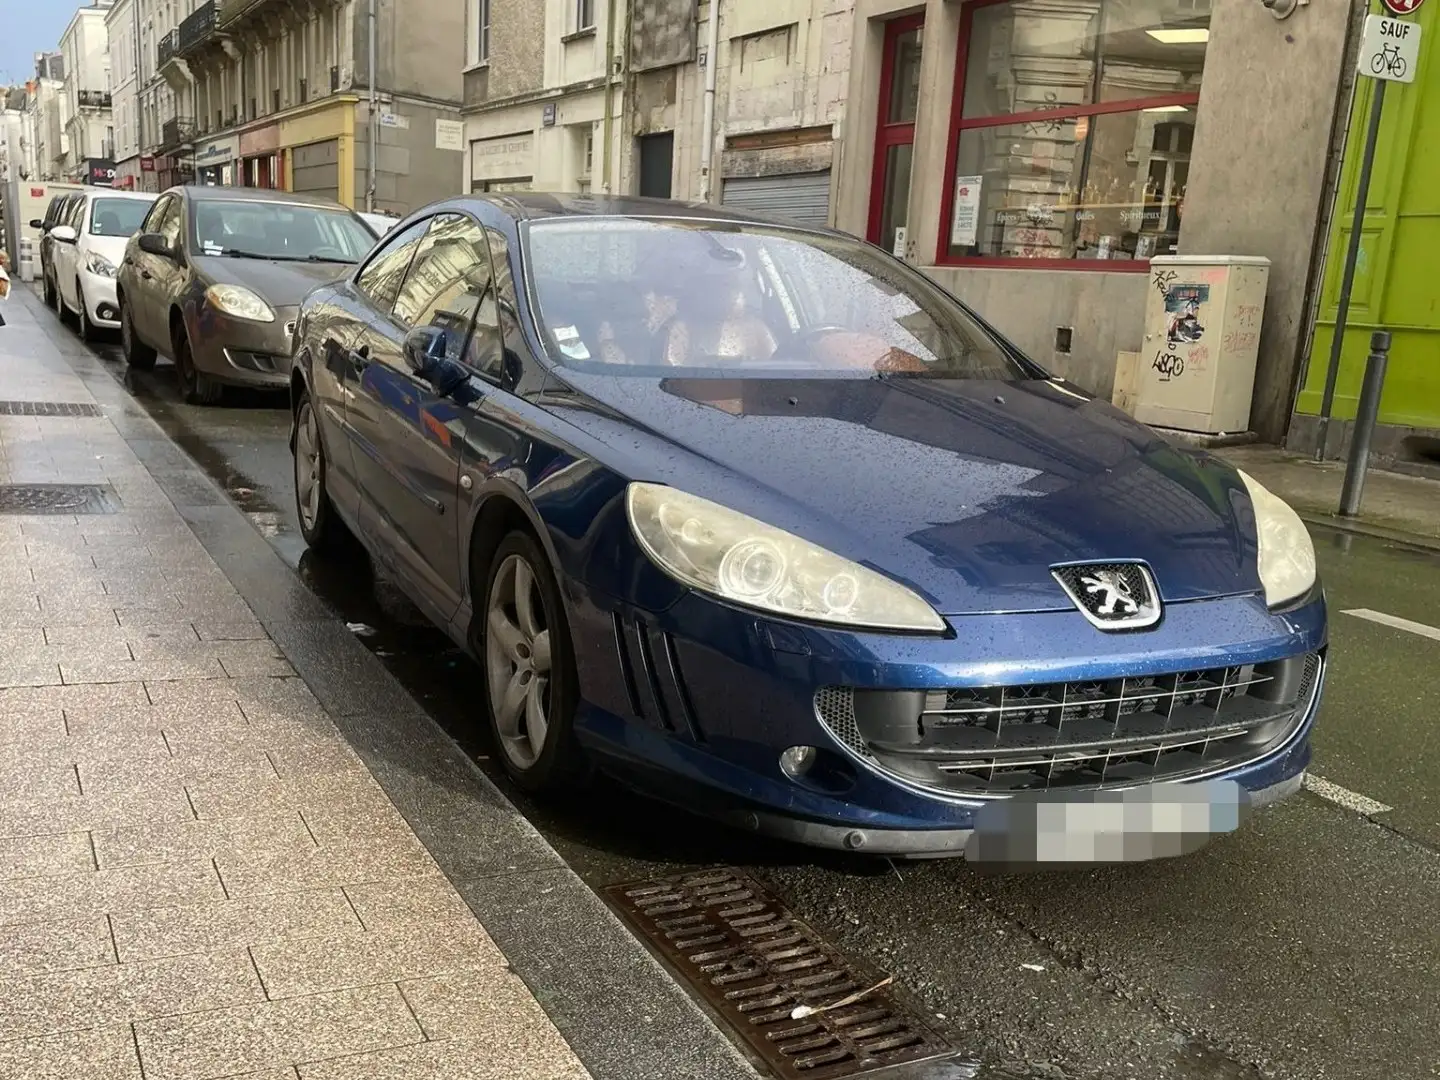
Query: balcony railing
x,y
176,132
196,28
93,99
166,49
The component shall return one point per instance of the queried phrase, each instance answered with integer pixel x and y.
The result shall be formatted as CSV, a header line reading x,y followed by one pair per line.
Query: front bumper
x,y
697,704
101,306
240,352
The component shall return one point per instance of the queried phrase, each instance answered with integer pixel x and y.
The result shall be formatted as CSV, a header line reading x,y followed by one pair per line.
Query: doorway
x,y
657,164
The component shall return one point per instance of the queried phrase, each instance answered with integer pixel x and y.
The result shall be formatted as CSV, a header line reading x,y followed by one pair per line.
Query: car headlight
x,y
732,556
1287,554
239,301
99,264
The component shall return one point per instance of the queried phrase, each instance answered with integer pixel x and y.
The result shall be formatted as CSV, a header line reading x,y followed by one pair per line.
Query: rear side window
x,y
117,217
380,279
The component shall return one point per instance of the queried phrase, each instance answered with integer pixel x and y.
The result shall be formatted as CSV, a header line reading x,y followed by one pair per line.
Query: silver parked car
x,y
215,275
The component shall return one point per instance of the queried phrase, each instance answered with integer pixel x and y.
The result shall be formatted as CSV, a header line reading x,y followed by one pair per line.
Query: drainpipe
x,y
707,126
609,91
373,127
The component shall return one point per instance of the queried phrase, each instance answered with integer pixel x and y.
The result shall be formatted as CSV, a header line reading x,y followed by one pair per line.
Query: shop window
x,y
895,132
1073,124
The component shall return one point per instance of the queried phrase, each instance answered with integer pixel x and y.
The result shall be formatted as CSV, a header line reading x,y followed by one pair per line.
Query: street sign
x,y
1389,49
1403,7
394,120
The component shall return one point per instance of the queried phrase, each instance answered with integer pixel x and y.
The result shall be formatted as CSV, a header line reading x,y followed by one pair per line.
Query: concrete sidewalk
x,y
199,877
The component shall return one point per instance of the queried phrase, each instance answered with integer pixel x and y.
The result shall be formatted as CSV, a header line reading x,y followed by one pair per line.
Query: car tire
x,y
138,355
320,525
83,326
528,683
196,387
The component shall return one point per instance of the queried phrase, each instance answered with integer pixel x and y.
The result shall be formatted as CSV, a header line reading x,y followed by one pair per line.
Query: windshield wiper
x,y
321,258
238,253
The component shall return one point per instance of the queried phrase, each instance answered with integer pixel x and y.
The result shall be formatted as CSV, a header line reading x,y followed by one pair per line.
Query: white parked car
x,y
89,245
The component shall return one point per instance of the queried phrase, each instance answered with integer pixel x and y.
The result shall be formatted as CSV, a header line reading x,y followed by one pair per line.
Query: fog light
x,y
797,761
106,312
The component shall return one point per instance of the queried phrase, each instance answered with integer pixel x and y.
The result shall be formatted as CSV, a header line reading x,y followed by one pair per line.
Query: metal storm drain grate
x,y
48,408
58,499
761,968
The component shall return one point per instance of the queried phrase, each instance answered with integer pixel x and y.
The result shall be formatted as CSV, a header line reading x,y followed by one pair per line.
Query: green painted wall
x,y
1397,275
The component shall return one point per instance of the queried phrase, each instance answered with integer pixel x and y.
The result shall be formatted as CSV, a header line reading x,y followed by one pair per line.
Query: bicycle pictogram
x,y
1388,59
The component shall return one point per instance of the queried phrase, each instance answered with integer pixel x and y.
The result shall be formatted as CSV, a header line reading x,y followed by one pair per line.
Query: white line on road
x,y
1350,800
1396,622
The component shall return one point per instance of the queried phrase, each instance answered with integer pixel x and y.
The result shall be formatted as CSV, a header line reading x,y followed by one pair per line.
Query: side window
x,y
450,286
52,211
508,307
168,225
157,211
77,214
381,277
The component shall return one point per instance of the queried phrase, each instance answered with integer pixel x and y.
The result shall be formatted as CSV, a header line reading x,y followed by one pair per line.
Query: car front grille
x,y
998,740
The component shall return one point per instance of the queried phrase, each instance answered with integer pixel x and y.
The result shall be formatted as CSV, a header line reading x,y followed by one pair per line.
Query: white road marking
x,y
1350,800
1396,622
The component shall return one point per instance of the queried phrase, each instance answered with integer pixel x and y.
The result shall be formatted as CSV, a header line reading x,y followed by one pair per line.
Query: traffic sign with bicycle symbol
x,y
1389,49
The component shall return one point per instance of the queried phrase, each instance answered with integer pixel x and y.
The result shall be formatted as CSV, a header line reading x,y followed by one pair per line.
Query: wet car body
x,y
980,495
167,274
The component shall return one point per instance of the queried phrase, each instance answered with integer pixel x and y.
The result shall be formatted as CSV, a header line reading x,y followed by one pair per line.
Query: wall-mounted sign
x,y
394,120
449,135
547,114
147,164
504,158
216,153
100,172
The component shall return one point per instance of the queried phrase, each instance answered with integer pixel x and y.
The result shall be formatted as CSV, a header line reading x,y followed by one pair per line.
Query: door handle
x,y
146,274
360,359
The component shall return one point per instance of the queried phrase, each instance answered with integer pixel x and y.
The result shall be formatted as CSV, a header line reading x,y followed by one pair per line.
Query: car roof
x,y
120,193
242,194
538,206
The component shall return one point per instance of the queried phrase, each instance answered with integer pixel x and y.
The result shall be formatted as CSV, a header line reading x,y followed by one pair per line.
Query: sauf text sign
x,y
1390,49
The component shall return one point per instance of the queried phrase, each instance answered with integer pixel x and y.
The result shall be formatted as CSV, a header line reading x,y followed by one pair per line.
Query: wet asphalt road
x,y
1305,946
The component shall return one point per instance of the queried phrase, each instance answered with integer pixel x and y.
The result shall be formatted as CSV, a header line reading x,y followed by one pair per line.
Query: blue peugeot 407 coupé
x,y
763,521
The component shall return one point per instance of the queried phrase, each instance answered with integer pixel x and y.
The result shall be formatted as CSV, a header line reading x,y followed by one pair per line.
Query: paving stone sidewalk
x,y
198,876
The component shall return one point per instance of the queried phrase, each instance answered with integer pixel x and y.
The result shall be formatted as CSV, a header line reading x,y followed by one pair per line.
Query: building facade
x,y
277,94
121,30
89,129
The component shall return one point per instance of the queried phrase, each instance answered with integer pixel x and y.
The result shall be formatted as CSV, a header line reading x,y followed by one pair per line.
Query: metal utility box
x,y
1202,336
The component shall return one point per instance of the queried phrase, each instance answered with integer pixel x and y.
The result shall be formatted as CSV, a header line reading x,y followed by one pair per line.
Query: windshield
x,y
647,296
117,217
277,230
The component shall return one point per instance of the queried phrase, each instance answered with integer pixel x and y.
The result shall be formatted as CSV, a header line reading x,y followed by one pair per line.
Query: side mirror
x,y
154,244
425,350
37,223
65,234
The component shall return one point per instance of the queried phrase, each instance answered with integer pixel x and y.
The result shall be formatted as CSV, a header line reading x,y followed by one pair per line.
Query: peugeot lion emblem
x,y
1112,596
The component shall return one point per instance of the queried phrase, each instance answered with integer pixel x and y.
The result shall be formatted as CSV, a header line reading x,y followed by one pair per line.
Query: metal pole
x,y
1347,279
1365,416
373,127
707,118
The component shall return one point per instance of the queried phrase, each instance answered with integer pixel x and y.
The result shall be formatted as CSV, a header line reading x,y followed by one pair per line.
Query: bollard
x,y
1366,413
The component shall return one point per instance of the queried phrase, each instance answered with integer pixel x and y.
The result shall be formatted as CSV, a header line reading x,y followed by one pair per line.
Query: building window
x,y
1072,128
584,14
480,41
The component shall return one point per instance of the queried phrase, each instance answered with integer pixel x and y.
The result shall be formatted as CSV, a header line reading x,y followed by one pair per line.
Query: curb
x,y
620,1010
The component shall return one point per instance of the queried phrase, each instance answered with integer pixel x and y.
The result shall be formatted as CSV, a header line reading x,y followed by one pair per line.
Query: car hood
x,y
281,283
967,490
112,247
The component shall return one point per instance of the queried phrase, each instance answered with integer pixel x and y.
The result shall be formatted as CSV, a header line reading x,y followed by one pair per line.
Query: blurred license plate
x,y
1083,828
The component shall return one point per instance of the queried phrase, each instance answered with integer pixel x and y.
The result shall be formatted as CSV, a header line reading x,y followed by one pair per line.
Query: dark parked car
x,y
215,276
761,519
57,210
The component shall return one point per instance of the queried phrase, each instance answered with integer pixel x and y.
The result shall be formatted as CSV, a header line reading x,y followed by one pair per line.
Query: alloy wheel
x,y
517,661
308,487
